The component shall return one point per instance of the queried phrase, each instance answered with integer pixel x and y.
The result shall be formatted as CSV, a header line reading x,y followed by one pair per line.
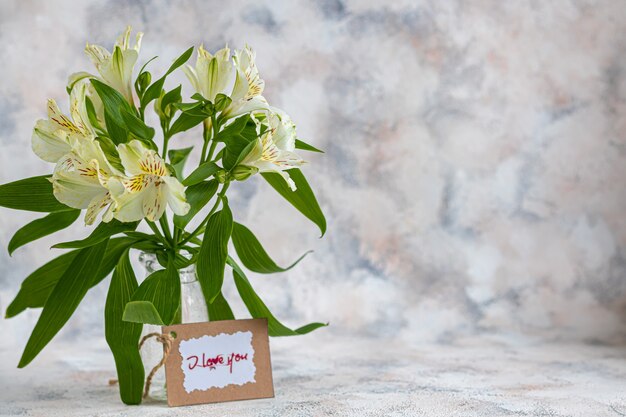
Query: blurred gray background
x,y
475,159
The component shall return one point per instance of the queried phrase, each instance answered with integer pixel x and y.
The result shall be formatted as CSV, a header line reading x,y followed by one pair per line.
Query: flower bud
x,y
221,176
243,172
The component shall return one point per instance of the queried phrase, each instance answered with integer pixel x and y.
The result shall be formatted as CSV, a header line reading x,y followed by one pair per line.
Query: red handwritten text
x,y
205,361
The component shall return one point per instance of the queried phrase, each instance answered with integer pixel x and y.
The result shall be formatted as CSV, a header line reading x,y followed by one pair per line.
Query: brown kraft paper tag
x,y
218,361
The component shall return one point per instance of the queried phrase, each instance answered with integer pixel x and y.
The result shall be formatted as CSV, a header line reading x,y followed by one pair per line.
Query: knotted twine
x,y
166,340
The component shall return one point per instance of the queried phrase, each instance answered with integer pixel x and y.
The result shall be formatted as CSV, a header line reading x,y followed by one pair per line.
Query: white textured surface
x,y
321,376
473,181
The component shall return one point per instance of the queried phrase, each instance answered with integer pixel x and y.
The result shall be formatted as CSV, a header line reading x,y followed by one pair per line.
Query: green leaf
x,y
115,249
45,226
242,155
180,261
117,132
198,195
184,57
235,128
204,171
161,290
186,121
237,138
64,299
302,199
306,147
136,126
91,113
259,310
252,254
142,312
154,91
32,194
101,232
219,309
213,253
110,151
114,105
143,67
121,336
36,288
178,157
172,96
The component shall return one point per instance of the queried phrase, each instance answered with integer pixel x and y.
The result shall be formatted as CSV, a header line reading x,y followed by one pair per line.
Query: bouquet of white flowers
x,y
108,162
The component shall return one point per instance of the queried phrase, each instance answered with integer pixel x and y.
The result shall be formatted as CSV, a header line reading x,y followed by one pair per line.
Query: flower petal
x,y
75,183
176,196
255,104
78,108
154,200
138,159
48,142
97,204
129,207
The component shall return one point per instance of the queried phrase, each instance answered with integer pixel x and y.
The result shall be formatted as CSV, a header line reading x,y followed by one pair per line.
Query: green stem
x,y
166,137
157,232
200,227
206,138
166,140
213,142
166,229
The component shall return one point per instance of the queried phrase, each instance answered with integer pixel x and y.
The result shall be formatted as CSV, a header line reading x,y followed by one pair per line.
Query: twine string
x,y
166,340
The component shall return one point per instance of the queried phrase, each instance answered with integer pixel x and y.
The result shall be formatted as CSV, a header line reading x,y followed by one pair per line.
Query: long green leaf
x,y
184,57
142,312
253,255
201,173
36,288
114,105
123,337
219,309
154,91
162,290
302,199
213,253
45,226
64,299
259,310
32,194
237,138
185,122
101,232
306,147
137,126
178,157
198,196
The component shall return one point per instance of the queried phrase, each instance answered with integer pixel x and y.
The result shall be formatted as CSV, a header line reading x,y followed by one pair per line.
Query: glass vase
x,y
193,310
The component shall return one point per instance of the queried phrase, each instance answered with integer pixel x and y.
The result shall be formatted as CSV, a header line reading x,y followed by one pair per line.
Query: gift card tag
x,y
218,361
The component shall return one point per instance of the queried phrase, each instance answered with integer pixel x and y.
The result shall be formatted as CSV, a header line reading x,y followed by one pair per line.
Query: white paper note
x,y
217,361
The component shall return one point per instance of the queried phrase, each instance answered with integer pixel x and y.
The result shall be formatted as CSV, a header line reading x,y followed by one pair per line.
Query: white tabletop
x,y
324,375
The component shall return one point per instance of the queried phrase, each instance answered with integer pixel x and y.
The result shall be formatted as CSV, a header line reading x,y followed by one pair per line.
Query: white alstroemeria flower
x,y
50,137
148,187
116,69
274,150
80,178
212,73
246,95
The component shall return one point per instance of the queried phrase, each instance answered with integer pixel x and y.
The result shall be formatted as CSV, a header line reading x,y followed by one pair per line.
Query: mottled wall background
x,y
475,166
